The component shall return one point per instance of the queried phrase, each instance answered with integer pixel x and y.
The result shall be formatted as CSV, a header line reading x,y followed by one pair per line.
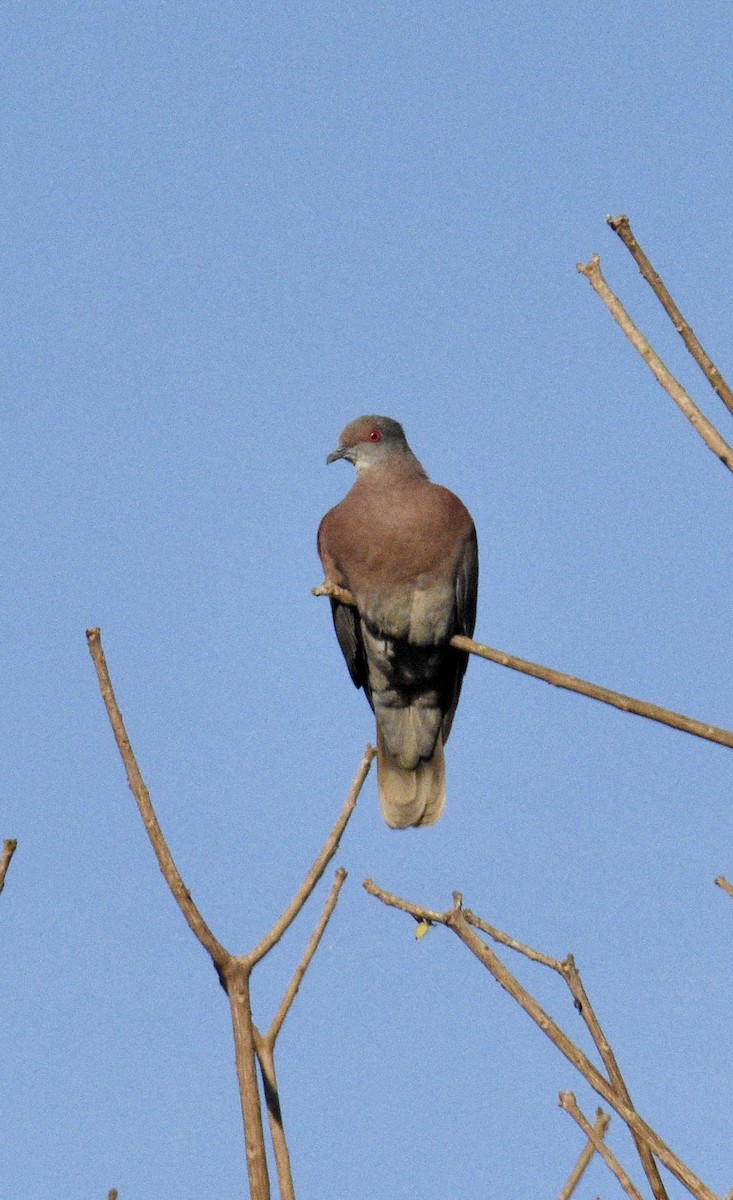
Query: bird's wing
x,y
346,620
347,624
466,591
467,587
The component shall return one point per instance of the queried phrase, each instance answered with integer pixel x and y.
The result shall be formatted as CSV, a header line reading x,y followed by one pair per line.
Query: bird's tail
x,y
414,797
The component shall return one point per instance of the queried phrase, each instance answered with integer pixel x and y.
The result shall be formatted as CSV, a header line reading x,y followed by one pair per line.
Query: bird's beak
x,y
340,453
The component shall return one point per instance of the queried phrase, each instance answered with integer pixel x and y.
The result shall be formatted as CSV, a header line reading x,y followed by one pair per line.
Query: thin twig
x,y
313,943
10,845
641,708
672,386
266,1059
219,955
622,226
722,882
571,683
265,1045
504,939
329,849
571,975
568,1102
600,1126
455,919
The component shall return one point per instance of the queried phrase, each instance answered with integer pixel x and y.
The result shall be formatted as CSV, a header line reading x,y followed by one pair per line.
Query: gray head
x,y
371,440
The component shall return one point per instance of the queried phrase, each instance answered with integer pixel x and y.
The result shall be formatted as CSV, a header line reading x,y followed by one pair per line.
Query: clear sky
x,y
227,230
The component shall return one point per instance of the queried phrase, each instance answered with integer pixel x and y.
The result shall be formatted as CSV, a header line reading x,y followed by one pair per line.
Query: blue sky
x,y
228,230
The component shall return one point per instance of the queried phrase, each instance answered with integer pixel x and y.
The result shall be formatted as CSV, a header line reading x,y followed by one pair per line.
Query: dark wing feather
x,y
467,588
348,631
346,620
466,598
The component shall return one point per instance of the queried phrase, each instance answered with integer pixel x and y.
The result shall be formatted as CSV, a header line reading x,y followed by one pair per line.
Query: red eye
x,y
374,436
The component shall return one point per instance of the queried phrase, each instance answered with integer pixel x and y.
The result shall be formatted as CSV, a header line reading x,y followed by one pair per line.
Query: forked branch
x,y
235,970
458,921
568,971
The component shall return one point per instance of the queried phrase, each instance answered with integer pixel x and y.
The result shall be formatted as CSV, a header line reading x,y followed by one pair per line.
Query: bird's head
x,y
370,440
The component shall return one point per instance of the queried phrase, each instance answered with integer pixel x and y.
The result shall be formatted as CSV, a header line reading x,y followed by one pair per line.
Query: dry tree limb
x,y
264,1046
315,938
722,882
326,854
455,919
10,845
569,1104
600,1126
232,974
713,440
568,970
181,894
504,939
234,971
640,708
571,975
622,226
571,683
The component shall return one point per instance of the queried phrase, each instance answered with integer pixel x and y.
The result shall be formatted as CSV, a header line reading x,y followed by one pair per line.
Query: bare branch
x,y
600,1126
265,1045
112,1194
571,975
329,849
456,920
334,592
266,1059
505,940
236,977
622,226
569,972
568,1102
641,708
672,386
722,882
571,683
10,845
181,894
415,910
234,972
302,967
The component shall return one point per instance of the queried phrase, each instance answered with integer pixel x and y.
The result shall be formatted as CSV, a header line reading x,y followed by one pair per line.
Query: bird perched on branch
x,y
406,550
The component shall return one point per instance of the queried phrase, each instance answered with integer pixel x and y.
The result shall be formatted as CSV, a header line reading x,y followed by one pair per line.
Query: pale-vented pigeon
x,y
406,549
